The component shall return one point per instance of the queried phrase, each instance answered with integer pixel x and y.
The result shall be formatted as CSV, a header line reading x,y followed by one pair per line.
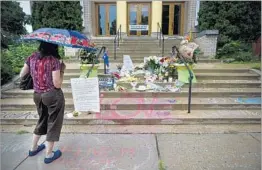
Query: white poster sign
x,y
127,65
138,27
86,94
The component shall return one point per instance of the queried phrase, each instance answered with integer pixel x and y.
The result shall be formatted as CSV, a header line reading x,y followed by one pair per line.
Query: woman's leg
x,y
35,142
41,127
55,102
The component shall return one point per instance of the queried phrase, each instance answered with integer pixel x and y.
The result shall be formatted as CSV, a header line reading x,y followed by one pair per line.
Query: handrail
x,y
190,76
161,38
116,40
103,49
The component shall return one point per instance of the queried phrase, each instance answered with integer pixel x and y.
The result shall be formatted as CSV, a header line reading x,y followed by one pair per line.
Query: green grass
x,y
256,66
253,65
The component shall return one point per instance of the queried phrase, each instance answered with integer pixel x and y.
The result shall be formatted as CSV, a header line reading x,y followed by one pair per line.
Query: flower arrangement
x,y
152,63
140,66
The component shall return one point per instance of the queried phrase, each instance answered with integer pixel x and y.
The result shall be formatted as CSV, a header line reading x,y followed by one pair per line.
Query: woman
x,y
47,73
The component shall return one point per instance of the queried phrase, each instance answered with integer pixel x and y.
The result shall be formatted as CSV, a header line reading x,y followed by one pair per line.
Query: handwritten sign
x,y
86,94
138,27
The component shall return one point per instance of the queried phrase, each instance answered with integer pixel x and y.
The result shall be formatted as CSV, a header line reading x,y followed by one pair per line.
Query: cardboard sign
x,y
138,27
86,94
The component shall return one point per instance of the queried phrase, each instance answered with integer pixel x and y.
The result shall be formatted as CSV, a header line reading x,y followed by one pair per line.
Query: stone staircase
x,y
138,49
214,99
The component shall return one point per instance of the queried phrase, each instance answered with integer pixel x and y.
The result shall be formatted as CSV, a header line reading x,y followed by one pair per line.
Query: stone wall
x,y
207,41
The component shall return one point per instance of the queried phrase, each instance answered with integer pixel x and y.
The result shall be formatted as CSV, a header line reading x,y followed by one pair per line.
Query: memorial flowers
x,y
152,64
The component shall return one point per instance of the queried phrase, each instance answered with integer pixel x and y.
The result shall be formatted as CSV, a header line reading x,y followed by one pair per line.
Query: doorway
x,y
139,17
106,19
173,18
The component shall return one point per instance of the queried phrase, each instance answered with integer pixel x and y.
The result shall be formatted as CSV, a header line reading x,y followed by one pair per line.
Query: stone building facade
x,y
145,18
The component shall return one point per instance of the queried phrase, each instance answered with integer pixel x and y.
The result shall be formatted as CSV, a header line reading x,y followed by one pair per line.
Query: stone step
x,y
146,52
137,41
75,69
137,59
142,117
140,59
199,76
196,92
212,86
179,103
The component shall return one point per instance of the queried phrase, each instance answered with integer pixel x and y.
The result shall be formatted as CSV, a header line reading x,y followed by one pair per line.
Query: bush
x,y
6,71
18,53
235,51
13,59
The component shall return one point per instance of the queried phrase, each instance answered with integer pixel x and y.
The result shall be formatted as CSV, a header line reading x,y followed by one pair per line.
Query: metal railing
x,y
190,76
116,40
160,37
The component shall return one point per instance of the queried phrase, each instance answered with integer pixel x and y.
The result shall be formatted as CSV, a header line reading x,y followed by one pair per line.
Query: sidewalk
x,y
138,152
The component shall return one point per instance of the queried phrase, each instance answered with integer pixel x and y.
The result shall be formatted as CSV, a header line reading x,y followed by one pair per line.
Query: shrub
x,y
18,53
13,59
6,71
235,51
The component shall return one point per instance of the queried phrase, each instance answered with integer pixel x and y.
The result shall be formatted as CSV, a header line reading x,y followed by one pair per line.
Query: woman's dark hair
x,y
48,49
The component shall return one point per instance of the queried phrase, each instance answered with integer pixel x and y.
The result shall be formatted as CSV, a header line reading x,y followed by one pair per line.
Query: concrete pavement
x,y
138,151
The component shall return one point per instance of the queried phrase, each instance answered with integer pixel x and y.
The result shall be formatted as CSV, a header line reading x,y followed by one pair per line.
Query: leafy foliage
x,y
12,22
12,17
235,20
6,71
57,14
13,59
236,51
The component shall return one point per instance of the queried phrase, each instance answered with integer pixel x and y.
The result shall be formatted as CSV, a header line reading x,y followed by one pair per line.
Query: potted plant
x,y
88,58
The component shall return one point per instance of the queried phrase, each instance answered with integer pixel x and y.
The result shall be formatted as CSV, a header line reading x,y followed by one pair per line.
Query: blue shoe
x,y
57,154
39,148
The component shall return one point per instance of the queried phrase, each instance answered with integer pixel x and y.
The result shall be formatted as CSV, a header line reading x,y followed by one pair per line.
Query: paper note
x,y
128,63
86,94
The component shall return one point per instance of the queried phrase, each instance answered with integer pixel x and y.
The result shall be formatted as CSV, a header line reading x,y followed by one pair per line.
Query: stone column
x,y
121,13
87,14
156,17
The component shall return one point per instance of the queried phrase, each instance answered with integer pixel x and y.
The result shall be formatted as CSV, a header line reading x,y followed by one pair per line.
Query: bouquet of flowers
x,y
152,63
164,62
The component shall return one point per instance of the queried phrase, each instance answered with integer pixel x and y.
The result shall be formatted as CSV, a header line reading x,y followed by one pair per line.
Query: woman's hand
x,y
62,67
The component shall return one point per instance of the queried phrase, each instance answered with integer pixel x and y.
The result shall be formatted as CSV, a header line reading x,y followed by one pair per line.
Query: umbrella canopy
x,y
61,37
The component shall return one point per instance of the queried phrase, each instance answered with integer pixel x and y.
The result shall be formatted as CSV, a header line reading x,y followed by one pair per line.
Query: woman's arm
x,y
24,70
58,76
